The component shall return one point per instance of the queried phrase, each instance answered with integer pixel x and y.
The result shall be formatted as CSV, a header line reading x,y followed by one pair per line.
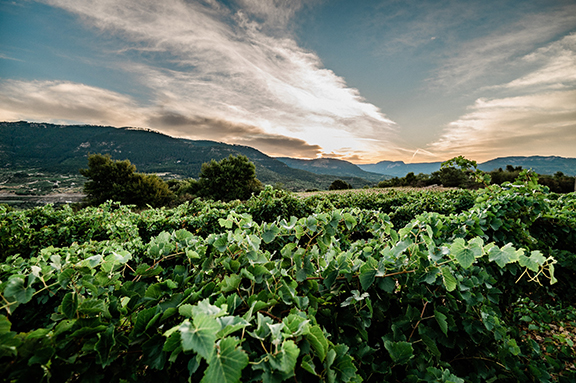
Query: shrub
x,y
339,185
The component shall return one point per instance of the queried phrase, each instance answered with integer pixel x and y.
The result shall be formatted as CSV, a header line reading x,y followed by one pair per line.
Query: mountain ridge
x,y
540,164
65,148
331,166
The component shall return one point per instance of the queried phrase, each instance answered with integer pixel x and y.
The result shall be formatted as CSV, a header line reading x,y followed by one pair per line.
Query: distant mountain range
x,y
332,166
400,169
65,148
540,164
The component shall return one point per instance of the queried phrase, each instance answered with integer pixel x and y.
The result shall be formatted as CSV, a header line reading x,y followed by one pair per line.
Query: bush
x,y
118,181
229,179
340,185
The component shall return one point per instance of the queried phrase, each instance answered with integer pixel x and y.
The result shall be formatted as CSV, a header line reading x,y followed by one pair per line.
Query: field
x,y
398,285
370,191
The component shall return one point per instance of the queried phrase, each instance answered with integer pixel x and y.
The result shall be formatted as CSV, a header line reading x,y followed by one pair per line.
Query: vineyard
x,y
403,286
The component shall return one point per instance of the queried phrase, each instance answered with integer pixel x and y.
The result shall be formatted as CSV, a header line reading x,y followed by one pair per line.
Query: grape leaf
x,y
448,278
104,345
368,273
441,319
464,255
400,352
200,335
16,289
318,341
226,366
69,305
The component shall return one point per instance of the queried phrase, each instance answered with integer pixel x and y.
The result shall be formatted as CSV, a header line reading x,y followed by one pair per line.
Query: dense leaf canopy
x,y
118,181
229,179
423,286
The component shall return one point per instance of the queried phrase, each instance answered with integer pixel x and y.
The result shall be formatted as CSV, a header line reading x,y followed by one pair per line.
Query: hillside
x,y
64,149
400,169
540,164
331,166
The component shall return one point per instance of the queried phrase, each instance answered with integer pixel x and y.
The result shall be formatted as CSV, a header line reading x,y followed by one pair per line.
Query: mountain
x,y
540,164
400,169
331,166
65,148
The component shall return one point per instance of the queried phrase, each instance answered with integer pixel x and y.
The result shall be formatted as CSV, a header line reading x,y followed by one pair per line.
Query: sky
x,y
359,80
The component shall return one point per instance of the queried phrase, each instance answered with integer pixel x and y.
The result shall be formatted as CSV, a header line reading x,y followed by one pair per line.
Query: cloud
x,y
237,133
274,15
238,64
485,58
537,115
5,57
539,124
398,26
558,68
65,102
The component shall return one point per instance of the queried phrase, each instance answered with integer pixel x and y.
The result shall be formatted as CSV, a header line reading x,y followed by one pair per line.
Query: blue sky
x,y
363,81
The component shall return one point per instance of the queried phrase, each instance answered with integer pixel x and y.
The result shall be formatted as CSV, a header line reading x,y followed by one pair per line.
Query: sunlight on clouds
x,y
538,116
66,101
543,124
484,57
559,69
224,65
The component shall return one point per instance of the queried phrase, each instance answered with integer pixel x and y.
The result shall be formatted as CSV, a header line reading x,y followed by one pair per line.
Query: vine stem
x,y
420,320
8,304
270,315
480,358
356,276
137,278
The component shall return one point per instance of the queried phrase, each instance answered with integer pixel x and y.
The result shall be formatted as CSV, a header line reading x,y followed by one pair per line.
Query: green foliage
x,y
118,181
411,180
339,185
152,152
229,179
280,288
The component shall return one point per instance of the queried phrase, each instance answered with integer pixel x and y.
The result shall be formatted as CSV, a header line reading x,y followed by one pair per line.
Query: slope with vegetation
x,y
63,149
455,176
422,286
331,166
540,164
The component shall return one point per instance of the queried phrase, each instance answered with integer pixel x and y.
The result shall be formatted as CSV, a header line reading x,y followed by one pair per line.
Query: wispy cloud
x,y
531,113
237,133
399,26
234,66
538,124
66,102
5,57
495,54
558,66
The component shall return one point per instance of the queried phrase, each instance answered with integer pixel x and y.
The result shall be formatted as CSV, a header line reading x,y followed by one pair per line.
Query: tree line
x,y
228,179
234,178
451,176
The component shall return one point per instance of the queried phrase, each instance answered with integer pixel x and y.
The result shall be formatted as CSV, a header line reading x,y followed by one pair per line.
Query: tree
x,y
461,172
118,181
228,179
339,185
450,177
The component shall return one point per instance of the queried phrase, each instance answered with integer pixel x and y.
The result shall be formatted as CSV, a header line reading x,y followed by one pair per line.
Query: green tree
x,y
118,181
450,177
461,172
339,185
229,179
